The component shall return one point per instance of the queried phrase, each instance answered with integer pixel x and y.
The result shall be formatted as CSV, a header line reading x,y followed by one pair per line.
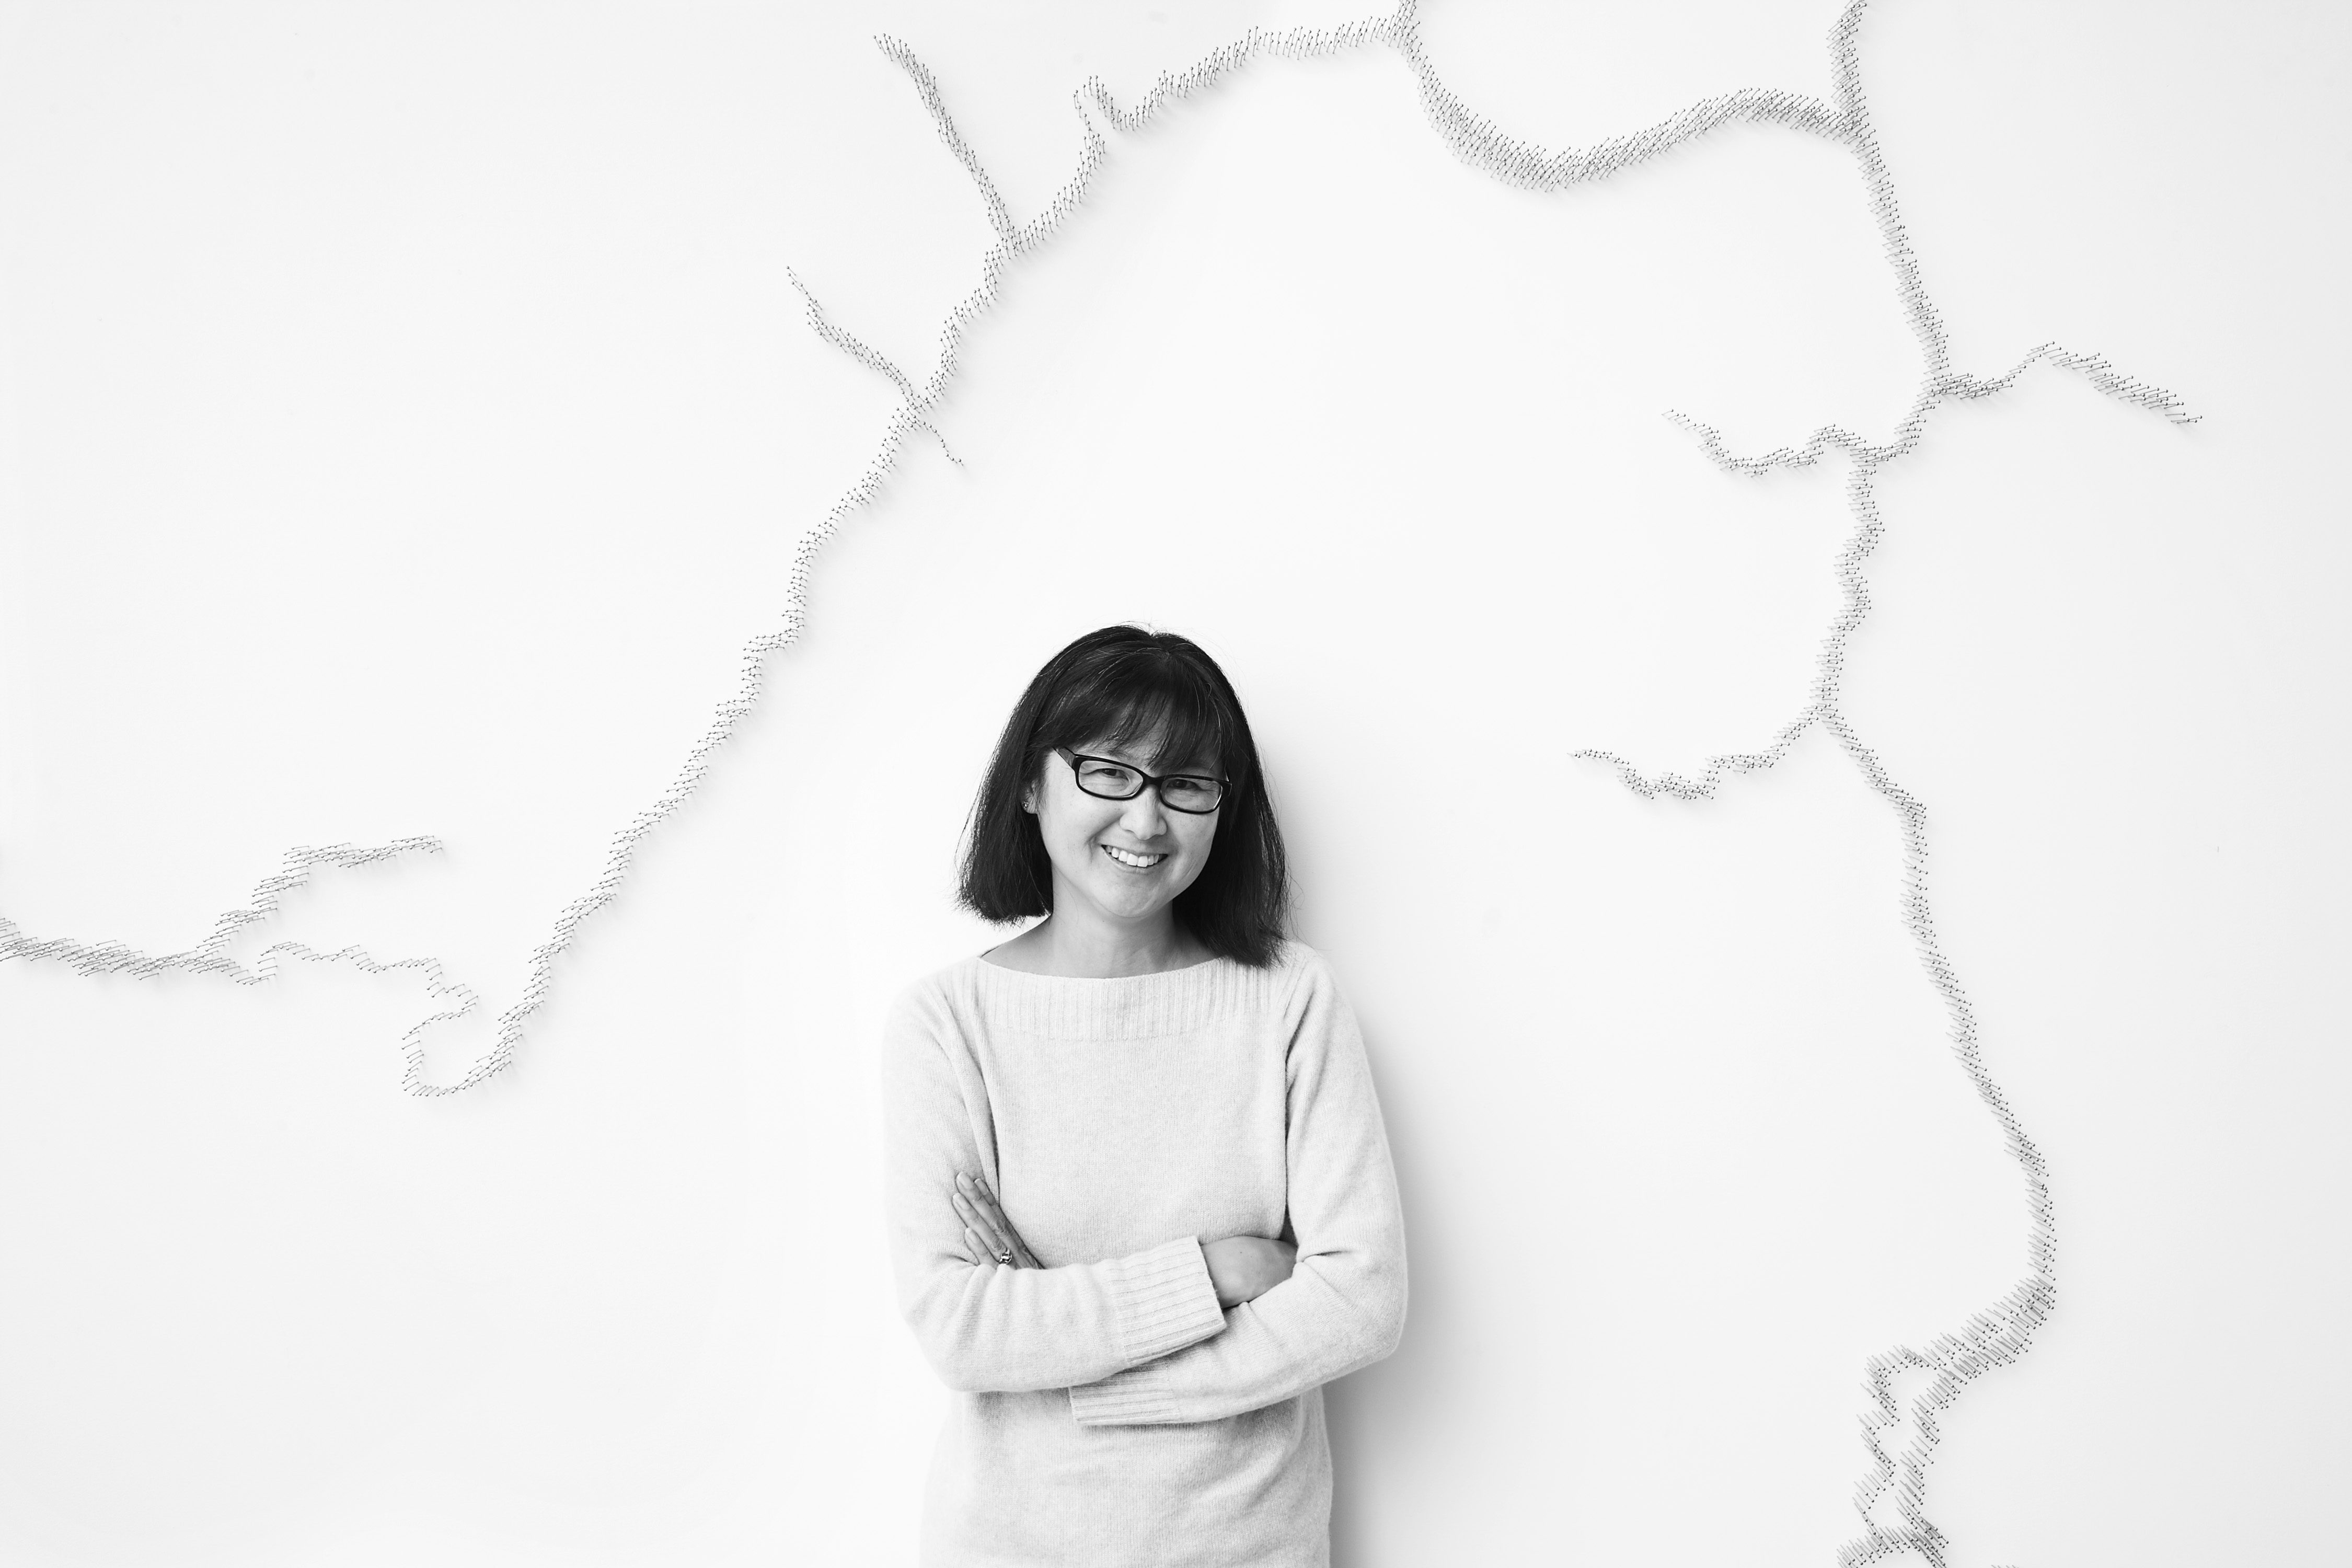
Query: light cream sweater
x,y
1106,1414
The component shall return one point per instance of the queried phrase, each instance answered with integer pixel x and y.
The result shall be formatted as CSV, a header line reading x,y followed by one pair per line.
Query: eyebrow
x,y
1128,753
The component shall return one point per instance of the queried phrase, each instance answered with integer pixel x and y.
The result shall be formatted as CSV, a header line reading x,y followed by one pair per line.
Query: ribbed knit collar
x,y
1131,1008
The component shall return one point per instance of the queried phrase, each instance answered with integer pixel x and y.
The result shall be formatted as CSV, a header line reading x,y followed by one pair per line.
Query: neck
x,y
1071,946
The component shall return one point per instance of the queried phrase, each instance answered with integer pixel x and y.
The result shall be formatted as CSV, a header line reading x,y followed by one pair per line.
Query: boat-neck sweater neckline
x,y
1120,1007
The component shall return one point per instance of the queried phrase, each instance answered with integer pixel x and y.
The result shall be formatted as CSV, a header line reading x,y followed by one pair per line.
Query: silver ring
x,y
1004,1256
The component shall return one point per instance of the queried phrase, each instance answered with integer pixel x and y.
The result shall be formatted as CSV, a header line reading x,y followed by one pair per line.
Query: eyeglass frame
x,y
1149,782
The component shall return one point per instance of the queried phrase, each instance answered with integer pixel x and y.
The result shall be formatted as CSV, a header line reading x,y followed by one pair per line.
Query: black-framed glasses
x,y
1109,779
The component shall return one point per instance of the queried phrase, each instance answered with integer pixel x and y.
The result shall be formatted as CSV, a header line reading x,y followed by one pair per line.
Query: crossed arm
x,y
1182,1332
1241,1267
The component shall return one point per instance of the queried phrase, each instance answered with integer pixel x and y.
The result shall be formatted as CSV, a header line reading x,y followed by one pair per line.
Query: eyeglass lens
x,y
1178,792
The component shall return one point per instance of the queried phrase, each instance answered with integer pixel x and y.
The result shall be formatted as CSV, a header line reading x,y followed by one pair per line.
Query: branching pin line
x,y
1996,1335
211,955
2000,1333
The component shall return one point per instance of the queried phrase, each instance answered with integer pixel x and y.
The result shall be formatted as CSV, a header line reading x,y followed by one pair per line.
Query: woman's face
x,y
1128,858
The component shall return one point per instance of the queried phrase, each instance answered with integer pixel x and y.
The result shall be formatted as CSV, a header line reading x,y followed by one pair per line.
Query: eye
x,y
1187,793
1111,775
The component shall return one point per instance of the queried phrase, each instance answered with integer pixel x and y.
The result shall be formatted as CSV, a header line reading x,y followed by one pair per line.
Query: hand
x,y
986,1231
1244,1267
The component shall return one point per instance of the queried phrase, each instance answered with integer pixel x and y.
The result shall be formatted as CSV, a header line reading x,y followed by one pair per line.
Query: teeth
x,y
1125,858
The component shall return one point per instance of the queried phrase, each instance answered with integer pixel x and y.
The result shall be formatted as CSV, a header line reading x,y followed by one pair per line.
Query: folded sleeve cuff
x,y
1139,1396
1165,1300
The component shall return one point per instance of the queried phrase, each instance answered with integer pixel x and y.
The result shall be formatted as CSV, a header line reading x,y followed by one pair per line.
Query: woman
x,y
1141,1200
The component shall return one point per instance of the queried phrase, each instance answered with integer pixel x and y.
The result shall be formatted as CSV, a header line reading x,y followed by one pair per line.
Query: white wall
x,y
409,423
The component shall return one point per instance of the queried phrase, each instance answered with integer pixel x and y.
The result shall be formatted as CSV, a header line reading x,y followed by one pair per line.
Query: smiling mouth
x,y
1131,860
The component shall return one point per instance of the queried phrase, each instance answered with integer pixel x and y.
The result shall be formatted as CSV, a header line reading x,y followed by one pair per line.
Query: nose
x,y
1145,817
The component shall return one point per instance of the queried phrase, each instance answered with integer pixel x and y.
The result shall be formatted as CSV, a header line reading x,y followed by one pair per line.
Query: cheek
x,y
1070,826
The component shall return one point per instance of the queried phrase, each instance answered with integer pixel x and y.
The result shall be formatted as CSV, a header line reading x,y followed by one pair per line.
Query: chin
x,y
1142,910
1123,904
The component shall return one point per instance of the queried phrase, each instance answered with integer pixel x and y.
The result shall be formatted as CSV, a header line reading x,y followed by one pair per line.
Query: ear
x,y
1029,800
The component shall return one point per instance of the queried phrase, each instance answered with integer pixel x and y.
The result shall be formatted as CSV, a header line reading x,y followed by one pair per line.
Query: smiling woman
x,y
1141,1200
1109,706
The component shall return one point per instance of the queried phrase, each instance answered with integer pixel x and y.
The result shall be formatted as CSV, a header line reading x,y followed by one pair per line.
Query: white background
x,y
406,421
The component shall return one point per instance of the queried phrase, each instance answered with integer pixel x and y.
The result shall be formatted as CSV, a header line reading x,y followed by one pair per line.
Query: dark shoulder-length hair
x,y
1107,689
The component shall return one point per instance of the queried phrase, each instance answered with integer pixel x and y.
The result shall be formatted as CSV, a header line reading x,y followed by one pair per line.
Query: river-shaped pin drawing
x,y
941,432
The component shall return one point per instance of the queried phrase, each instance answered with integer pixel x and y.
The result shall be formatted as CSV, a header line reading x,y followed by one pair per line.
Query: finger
x,y
1021,1253
995,1211
974,1216
977,1218
974,1251
985,1200
1021,1256
992,1220
967,1196
982,1202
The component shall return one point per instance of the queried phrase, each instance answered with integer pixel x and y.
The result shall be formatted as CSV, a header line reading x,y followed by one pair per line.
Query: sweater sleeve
x,y
1343,1305
986,1326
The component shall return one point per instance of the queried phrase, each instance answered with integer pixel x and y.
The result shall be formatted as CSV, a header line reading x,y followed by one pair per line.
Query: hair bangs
x,y
1157,700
